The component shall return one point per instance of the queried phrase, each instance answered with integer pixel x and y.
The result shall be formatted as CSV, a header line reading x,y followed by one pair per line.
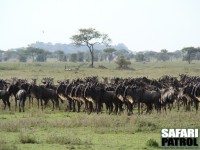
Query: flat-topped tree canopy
x,y
89,37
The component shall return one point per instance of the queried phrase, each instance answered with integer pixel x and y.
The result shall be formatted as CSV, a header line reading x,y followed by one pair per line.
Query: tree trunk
x,y
91,48
189,58
92,56
92,60
33,57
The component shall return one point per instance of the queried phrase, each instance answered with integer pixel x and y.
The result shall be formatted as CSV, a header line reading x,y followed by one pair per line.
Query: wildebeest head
x,y
196,91
3,84
133,93
119,91
61,88
69,88
13,89
24,86
188,89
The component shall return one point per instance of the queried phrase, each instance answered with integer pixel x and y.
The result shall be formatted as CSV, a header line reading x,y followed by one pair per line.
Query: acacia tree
x,y
189,52
109,51
164,55
1,55
89,37
22,55
60,55
139,57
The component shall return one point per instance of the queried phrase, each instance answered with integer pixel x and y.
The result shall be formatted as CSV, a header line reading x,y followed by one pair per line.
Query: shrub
x,y
152,143
143,125
55,139
66,139
122,63
27,138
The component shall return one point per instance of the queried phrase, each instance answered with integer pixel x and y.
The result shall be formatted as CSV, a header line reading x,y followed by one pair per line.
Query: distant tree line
x,y
109,54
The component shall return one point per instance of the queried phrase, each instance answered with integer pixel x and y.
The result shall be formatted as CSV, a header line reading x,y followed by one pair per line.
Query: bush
x,y
152,143
27,138
145,126
122,63
66,139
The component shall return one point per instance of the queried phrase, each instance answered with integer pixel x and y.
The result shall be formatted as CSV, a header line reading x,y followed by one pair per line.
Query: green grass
x,y
152,70
67,130
38,130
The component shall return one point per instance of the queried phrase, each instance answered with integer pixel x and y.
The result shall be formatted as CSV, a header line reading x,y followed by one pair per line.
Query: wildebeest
x,y
94,94
61,92
191,91
4,95
141,95
3,84
115,94
19,94
41,93
168,96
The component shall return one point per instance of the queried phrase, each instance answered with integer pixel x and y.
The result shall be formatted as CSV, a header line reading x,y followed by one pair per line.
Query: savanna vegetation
x,y
37,129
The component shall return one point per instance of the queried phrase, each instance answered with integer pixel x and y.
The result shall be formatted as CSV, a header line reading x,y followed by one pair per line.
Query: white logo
x,y
186,138
177,133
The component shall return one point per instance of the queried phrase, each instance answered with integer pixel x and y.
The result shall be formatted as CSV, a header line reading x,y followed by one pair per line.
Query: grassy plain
x,y
58,130
151,70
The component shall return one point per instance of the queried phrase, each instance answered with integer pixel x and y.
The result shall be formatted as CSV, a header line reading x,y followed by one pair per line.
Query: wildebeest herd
x,y
117,95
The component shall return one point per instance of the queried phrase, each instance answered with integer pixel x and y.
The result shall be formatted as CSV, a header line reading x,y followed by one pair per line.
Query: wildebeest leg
x,y
20,103
164,107
85,106
196,103
38,103
23,105
170,105
129,108
158,105
8,103
148,108
139,108
178,105
111,108
188,104
15,104
79,106
73,105
90,107
116,108
41,102
107,107
69,105
57,103
120,104
45,103
52,104
32,101
4,102
29,100
98,107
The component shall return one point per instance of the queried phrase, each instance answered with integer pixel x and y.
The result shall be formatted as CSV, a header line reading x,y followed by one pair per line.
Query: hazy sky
x,y
139,24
